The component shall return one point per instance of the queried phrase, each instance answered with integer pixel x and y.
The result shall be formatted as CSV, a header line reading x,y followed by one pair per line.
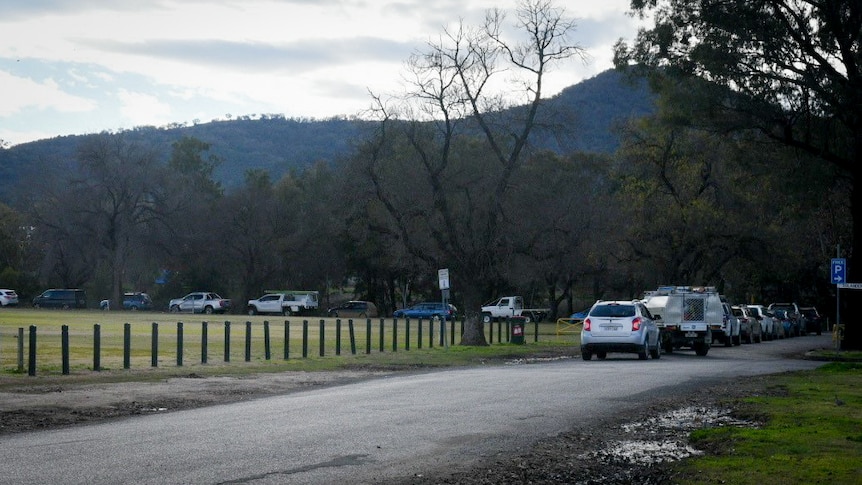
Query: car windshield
x,y
613,311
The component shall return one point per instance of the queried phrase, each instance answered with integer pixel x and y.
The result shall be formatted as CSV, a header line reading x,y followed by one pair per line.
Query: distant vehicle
x,y
284,302
813,320
580,315
768,327
785,323
61,298
131,301
199,302
620,326
511,306
749,327
8,298
428,310
687,316
729,330
354,308
790,313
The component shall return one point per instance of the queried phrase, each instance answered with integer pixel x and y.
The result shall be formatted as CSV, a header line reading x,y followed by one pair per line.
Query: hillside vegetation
x,y
589,111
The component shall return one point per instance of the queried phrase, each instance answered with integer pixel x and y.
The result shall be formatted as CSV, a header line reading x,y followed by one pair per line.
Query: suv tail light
x,y
636,324
588,325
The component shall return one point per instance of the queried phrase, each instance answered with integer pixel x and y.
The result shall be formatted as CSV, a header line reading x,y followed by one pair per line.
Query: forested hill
x,y
276,144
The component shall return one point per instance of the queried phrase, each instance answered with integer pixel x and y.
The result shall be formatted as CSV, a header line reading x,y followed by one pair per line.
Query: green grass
x,y
812,434
81,329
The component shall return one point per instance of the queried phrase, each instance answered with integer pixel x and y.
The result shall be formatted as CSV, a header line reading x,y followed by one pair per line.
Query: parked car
x,y
767,323
785,323
749,327
61,298
427,310
8,298
199,302
620,326
730,335
131,301
791,314
813,322
354,308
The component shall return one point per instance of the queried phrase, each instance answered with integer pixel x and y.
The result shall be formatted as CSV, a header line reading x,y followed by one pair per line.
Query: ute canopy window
x,y
618,311
695,309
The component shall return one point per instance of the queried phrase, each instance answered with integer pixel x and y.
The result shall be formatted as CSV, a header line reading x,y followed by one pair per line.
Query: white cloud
x,y
22,93
154,63
143,109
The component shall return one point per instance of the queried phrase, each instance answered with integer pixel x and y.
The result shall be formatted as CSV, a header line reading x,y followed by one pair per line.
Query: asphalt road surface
x,y
380,429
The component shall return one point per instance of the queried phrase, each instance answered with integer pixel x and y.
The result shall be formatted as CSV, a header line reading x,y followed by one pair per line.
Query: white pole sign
x,y
443,276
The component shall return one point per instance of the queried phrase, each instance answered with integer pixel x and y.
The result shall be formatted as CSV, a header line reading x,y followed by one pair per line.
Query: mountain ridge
x,y
276,144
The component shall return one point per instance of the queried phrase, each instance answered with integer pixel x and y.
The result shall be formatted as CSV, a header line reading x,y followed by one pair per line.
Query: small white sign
x,y
443,276
850,286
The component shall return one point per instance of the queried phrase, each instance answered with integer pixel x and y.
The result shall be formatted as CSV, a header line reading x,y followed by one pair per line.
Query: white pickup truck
x,y
512,306
284,303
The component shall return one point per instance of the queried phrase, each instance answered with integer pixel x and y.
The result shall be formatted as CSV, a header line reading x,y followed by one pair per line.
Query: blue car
x,y
427,310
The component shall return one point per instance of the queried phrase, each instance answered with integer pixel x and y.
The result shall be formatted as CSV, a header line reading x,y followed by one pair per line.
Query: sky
x,y
72,67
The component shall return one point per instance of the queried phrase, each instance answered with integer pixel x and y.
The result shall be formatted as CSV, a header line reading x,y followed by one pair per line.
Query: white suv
x,y
620,326
767,323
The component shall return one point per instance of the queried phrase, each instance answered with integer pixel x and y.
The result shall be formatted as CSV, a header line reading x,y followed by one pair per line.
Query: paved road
x,y
389,427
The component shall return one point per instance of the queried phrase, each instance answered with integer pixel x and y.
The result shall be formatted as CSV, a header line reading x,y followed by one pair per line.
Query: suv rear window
x,y
613,311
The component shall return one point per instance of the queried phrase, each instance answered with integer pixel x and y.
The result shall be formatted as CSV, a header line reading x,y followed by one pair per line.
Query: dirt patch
x,y
28,407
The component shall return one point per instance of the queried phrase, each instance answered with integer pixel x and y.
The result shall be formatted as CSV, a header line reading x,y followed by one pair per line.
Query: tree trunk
x,y
474,329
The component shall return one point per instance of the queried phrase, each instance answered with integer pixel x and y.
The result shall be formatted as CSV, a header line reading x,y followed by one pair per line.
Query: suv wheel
x,y
252,310
643,353
656,352
586,355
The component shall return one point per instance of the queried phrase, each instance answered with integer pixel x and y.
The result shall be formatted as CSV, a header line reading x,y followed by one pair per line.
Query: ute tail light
x,y
636,324
588,325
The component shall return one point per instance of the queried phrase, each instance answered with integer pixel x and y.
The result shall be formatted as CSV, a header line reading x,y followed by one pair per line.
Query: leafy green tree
x,y
789,68
101,214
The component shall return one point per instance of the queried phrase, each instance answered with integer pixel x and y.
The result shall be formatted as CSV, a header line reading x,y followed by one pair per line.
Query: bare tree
x,y
460,89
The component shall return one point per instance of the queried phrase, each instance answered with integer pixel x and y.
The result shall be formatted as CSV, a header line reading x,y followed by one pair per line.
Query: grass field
x,y
319,342
812,434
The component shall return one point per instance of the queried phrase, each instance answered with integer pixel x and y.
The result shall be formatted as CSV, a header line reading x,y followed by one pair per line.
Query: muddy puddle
x,y
663,438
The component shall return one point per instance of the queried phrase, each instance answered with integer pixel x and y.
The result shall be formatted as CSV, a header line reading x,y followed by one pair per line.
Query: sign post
x,y
443,278
839,278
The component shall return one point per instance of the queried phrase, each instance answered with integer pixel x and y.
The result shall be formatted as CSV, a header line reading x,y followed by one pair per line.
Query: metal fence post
x,y
204,341
266,350
154,346
247,341
97,347
227,341
31,367
64,343
127,346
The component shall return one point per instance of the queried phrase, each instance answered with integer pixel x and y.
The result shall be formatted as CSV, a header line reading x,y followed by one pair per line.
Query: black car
x,y
354,308
61,298
813,320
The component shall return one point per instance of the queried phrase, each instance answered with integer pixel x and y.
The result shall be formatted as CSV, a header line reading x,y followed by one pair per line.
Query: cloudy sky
x,y
86,66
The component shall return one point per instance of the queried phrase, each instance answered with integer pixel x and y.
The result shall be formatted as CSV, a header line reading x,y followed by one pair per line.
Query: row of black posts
x,y
127,339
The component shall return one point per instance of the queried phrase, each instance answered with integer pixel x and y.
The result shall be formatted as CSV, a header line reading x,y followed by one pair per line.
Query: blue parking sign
x,y
839,271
